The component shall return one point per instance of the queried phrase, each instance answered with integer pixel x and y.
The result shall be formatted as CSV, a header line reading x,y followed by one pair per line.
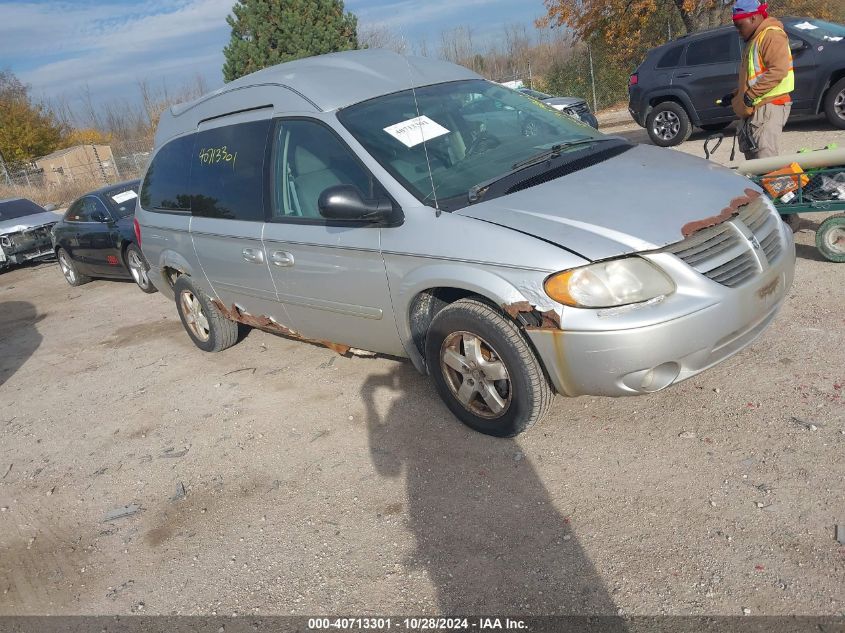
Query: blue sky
x,y
109,45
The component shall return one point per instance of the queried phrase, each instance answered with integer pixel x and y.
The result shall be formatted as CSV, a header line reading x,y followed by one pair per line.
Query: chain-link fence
x,y
62,176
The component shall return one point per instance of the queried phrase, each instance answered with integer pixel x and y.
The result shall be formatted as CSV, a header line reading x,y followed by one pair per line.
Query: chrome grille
x,y
735,251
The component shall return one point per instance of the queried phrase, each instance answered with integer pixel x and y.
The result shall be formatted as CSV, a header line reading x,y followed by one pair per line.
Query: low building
x,y
81,163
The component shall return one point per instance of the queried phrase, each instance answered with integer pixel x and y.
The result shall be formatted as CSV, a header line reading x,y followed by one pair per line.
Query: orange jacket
x,y
774,49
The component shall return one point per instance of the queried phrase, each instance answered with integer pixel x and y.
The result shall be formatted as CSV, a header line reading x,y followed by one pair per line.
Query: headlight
x,y
608,284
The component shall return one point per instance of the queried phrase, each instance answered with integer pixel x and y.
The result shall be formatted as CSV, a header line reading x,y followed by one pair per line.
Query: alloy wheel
x,y
67,269
839,104
195,318
666,125
137,269
476,375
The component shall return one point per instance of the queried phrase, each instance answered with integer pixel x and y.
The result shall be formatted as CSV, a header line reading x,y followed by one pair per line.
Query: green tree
x,y
27,128
268,32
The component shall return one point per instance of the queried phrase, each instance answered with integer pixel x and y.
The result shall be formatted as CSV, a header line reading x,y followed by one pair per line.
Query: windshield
x,y
121,200
10,209
820,30
474,131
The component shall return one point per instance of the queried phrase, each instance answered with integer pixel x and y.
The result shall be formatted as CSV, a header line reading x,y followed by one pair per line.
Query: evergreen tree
x,y
268,32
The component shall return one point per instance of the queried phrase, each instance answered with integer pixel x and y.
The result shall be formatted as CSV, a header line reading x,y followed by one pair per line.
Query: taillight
x,y
634,80
137,231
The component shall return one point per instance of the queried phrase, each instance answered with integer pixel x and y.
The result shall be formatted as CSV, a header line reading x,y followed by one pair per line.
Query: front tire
x,y
138,268
485,371
668,124
830,239
202,320
834,104
69,269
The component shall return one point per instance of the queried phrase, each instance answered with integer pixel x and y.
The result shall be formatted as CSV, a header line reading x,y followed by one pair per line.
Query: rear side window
x,y
671,58
166,182
713,50
227,172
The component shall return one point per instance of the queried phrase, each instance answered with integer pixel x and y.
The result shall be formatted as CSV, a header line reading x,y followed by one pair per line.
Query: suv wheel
x,y
834,104
668,124
484,369
204,323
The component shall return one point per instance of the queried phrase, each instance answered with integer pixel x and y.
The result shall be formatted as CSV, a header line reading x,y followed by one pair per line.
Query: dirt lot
x,y
279,477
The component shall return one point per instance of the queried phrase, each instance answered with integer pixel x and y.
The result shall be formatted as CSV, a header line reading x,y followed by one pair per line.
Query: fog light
x,y
654,379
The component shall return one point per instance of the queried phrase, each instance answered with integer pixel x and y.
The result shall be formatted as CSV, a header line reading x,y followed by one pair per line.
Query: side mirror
x,y
99,216
796,46
345,202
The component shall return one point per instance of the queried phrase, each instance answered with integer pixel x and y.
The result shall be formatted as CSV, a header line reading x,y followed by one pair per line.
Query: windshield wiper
x,y
555,150
476,192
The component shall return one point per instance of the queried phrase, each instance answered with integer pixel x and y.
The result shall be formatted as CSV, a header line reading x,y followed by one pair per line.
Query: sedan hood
x,y
16,225
637,201
565,102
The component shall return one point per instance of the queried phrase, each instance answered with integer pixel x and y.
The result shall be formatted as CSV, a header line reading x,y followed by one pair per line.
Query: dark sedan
x,y
96,238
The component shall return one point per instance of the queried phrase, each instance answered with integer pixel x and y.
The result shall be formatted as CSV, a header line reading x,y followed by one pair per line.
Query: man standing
x,y
766,78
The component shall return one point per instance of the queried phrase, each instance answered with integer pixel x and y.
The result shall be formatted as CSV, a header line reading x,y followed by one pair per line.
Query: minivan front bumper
x,y
632,361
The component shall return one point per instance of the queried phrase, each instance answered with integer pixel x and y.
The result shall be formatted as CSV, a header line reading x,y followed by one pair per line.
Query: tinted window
x,y
18,208
713,50
84,210
671,58
227,172
309,159
121,200
166,182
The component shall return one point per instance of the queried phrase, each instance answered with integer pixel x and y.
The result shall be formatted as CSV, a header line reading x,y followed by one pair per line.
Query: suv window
x,y
166,181
309,159
227,171
671,58
713,50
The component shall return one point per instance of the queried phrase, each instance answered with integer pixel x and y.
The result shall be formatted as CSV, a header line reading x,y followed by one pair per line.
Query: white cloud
x,y
110,44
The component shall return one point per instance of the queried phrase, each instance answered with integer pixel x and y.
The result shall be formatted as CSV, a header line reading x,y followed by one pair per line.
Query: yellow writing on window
x,y
215,155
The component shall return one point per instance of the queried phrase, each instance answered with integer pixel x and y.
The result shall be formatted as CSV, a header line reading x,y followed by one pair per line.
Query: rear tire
x,y
69,269
830,239
485,371
202,320
139,268
668,124
834,104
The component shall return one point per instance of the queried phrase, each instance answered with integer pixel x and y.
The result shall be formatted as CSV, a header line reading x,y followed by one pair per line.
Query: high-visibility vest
x,y
756,68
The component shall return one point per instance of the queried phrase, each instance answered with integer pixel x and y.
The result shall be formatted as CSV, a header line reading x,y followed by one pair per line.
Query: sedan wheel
x,y
138,268
68,267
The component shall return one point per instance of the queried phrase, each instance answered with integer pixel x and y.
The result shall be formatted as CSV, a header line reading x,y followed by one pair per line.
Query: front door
x,y
709,72
98,240
330,276
227,204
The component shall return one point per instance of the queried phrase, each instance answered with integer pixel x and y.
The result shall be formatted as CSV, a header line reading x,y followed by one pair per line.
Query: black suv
x,y
678,84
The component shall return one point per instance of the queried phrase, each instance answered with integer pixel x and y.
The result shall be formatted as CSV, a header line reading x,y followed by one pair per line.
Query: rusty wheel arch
x,y
428,303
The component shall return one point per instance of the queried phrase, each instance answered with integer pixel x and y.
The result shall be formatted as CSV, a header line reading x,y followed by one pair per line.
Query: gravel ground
x,y
279,478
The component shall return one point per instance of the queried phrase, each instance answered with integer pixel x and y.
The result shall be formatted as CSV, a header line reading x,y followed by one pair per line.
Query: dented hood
x,y
637,201
27,222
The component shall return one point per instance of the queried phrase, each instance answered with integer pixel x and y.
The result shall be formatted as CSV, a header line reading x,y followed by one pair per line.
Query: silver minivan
x,y
369,201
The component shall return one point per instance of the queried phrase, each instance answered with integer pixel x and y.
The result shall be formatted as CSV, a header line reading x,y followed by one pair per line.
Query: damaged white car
x,y
24,231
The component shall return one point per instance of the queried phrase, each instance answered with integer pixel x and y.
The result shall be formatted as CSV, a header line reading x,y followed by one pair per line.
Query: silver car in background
x,y
24,231
406,206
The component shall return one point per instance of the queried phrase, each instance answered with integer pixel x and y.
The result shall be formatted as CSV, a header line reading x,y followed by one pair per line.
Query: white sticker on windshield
x,y
806,26
414,131
829,38
123,197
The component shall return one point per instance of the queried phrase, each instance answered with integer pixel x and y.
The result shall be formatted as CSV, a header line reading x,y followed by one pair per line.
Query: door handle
x,y
253,255
682,75
282,259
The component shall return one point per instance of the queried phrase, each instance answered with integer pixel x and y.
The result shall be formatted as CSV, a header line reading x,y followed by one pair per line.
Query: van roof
x,y
323,83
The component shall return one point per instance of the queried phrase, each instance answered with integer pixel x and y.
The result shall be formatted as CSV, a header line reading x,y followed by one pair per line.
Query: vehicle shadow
x,y
488,532
19,338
